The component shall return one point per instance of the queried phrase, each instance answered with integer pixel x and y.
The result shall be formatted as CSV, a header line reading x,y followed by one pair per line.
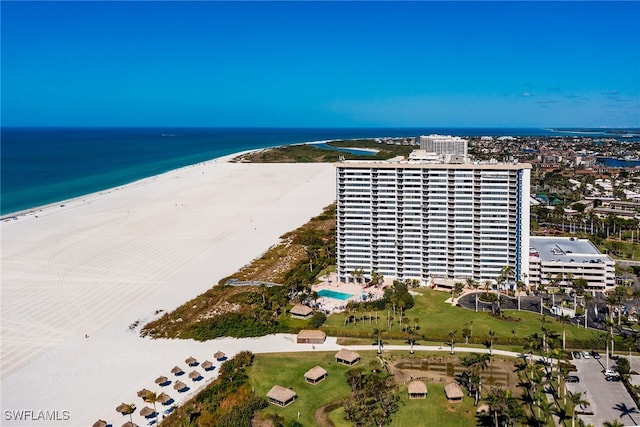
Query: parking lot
x,y
609,399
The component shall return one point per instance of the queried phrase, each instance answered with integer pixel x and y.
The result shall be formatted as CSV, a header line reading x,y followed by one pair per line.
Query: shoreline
x,y
141,181
80,281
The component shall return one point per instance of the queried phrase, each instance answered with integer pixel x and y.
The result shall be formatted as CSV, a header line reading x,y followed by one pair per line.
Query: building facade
x,y
558,261
444,144
430,220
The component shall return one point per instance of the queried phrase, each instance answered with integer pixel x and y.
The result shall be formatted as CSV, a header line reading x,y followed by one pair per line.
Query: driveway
x,y
609,399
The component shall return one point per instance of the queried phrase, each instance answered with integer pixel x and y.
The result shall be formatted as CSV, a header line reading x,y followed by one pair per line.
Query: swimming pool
x,y
334,294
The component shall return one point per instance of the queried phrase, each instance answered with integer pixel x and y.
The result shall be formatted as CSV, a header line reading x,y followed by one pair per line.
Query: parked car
x,y
585,355
573,379
576,355
610,372
595,355
612,378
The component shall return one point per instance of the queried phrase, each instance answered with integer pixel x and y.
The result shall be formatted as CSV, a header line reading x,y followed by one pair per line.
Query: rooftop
x,y
565,249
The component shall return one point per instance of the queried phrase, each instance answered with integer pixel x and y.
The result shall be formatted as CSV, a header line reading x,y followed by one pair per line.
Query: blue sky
x,y
324,64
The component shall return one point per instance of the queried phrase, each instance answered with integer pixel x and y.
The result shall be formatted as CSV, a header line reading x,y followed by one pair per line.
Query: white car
x,y
586,355
611,373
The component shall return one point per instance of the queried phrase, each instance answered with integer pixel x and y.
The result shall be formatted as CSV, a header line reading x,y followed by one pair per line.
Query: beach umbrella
x,y
143,393
147,412
179,385
191,361
100,423
177,371
161,380
218,355
164,398
206,365
126,408
194,375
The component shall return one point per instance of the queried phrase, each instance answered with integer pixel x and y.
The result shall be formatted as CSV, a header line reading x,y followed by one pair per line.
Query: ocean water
x,y
40,166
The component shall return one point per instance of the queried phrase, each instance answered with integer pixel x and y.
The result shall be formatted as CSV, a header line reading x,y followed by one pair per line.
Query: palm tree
x,y
546,407
452,336
377,333
505,273
376,278
576,400
492,335
486,287
358,274
475,285
614,423
476,363
564,319
587,298
129,409
412,338
152,397
520,286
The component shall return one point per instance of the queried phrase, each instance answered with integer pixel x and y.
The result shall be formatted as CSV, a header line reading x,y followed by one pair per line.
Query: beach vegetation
x,y
308,153
316,320
228,401
255,300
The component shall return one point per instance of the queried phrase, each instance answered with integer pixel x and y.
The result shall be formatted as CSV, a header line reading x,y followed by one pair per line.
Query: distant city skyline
x,y
321,64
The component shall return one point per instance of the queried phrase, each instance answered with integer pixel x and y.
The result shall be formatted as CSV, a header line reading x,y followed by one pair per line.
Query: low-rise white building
x,y
566,258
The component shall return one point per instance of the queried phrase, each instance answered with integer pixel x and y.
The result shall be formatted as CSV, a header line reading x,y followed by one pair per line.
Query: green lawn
x,y
436,318
288,370
435,410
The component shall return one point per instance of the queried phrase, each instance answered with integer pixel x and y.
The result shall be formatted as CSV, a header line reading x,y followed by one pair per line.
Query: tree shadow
x,y
626,411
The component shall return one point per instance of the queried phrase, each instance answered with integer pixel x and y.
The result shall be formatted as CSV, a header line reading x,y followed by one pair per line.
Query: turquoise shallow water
x,y
48,165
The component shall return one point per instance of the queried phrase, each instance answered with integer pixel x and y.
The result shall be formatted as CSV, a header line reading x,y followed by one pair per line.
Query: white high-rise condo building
x,y
444,144
428,220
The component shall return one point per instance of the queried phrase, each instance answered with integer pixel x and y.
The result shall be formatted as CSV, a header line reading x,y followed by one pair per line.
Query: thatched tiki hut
x,y
281,396
417,390
311,336
207,365
147,412
125,408
100,423
347,357
300,311
315,375
195,375
191,361
179,386
129,424
162,380
164,398
454,392
177,371
219,356
144,393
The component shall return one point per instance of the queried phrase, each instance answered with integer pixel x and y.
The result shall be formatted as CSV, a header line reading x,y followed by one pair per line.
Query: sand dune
x,y
105,261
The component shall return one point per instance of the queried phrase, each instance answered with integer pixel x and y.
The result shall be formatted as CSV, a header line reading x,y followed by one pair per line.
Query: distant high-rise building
x,y
444,144
432,220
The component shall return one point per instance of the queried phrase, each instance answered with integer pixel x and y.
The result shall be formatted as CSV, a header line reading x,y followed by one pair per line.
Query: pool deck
x,y
330,282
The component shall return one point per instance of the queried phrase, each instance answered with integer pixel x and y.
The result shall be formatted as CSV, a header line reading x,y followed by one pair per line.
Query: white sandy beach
x,y
105,261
